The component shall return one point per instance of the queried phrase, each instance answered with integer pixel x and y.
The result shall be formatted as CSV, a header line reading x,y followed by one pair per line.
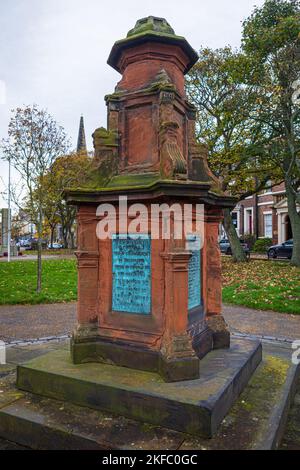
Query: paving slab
x,y
26,322
51,424
253,421
196,406
20,354
8,392
291,438
262,323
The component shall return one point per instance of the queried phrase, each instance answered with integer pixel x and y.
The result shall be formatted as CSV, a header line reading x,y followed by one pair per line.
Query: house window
x,y
249,221
235,219
268,225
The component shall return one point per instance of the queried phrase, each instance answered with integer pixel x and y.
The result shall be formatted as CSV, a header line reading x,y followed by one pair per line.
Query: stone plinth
x,y
195,407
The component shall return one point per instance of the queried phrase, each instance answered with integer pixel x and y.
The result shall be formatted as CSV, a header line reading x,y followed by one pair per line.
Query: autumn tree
x,y
237,154
33,144
16,226
271,42
67,171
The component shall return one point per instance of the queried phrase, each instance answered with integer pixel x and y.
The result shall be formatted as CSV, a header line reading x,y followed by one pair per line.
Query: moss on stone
x,y
154,87
270,377
133,180
114,96
151,23
153,29
106,137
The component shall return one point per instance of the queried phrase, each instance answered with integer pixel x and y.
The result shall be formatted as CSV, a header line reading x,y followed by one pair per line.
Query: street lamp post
x,y
9,215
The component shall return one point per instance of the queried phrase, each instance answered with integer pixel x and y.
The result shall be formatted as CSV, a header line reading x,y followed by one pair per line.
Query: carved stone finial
x,y
106,152
151,23
198,167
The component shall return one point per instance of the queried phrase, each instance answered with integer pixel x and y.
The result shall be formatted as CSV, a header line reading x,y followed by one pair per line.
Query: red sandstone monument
x,y
151,342
149,153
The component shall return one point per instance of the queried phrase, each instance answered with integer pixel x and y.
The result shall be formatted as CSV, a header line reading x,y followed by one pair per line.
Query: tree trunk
x,y
65,237
39,257
72,240
295,223
70,237
52,236
238,254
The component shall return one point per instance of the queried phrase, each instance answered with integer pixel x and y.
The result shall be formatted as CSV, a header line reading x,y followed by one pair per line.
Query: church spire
x,y
81,142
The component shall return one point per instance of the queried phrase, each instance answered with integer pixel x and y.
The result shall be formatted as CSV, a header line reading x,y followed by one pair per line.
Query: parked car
x,y
27,245
226,248
23,243
55,246
285,250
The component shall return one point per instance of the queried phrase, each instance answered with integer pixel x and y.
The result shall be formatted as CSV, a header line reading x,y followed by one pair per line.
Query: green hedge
x,y
262,245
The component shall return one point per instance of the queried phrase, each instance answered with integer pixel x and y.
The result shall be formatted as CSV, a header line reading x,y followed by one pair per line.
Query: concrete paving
x,y
253,421
26,322
265,324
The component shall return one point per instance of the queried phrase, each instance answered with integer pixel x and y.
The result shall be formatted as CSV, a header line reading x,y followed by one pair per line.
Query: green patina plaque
x,y
194,272
131,269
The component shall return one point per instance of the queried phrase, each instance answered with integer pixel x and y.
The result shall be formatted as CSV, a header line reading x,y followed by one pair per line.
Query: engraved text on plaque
x,y
131,267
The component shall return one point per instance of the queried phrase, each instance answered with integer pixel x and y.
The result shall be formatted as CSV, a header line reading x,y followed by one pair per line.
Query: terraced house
x,y
264,215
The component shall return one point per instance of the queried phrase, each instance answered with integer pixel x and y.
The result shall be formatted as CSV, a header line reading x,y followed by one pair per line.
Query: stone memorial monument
x,y
144,303
151,342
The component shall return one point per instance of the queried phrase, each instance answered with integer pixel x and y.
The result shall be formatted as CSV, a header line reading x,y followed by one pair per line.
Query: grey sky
x,y
53,52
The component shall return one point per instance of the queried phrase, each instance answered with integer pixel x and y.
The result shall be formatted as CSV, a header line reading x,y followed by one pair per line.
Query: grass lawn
x,y
264,285
258,284
18,282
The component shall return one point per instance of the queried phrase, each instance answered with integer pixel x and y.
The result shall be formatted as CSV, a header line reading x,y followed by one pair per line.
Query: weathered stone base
x,y
172,370
256,420
195,407
220,331
88,346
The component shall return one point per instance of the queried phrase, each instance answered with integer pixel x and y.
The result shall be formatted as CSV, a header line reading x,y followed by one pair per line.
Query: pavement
x,y
26,322
18,354
29,257
263,324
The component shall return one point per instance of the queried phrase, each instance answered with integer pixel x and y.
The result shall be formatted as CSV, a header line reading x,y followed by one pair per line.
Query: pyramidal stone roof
x,y
153,29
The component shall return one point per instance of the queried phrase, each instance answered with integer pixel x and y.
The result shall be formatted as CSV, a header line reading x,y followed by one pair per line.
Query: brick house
x,y
264,215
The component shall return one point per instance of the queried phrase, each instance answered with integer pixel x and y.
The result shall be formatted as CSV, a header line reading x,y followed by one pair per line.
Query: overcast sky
x,y
53,52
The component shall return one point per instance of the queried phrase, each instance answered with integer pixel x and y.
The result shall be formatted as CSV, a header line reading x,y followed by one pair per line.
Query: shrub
x,y
262,245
